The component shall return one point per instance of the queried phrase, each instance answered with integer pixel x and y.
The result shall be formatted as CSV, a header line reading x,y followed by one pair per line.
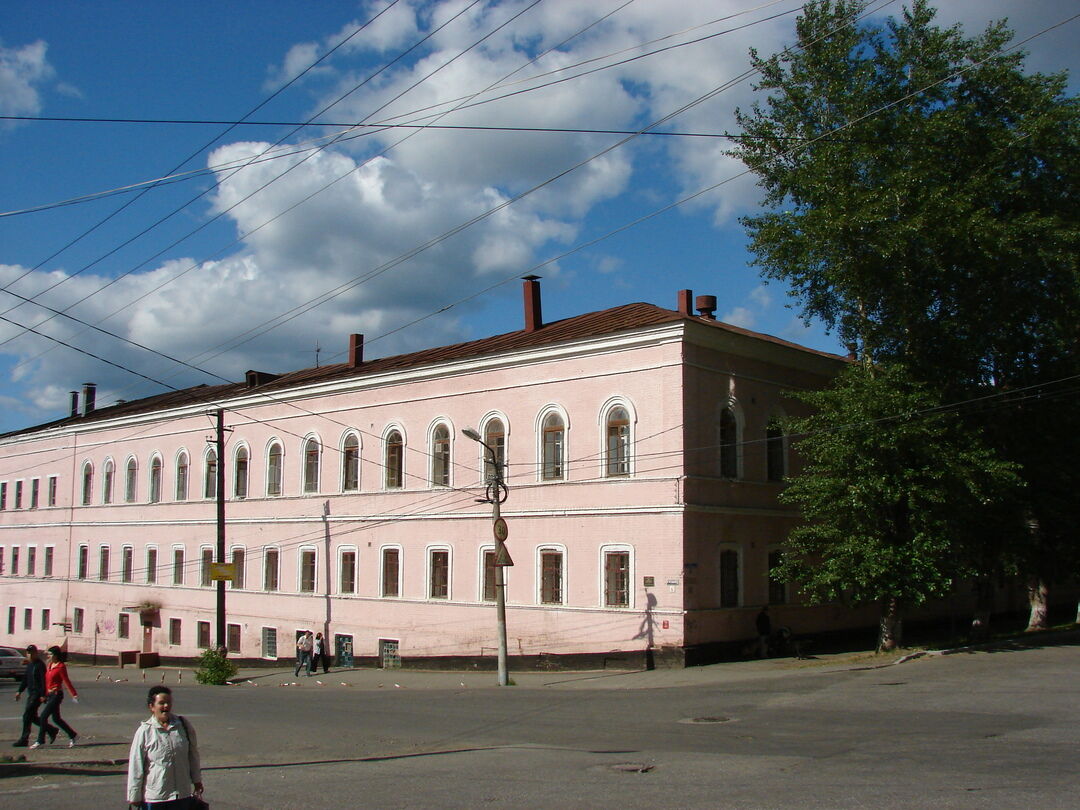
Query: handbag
x,y
200,804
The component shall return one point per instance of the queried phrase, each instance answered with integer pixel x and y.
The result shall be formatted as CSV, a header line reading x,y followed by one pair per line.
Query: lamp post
x,y
496,494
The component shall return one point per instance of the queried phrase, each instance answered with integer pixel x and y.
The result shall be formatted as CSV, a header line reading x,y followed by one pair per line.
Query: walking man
x,y
33,683
764,631
304,646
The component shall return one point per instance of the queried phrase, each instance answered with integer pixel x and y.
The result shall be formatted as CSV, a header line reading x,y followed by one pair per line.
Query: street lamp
x,y
496,494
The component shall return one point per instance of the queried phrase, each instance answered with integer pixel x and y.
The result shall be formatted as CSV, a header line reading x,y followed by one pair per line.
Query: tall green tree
x,y
922,195
890,492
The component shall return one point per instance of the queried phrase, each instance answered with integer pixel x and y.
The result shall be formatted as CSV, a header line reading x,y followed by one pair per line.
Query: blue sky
x,y
202,278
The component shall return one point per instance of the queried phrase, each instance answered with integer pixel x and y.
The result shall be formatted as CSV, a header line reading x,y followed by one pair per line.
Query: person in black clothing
x,y
764,631
33,683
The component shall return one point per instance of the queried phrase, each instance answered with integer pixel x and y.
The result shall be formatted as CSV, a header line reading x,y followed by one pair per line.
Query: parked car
x,y
12,663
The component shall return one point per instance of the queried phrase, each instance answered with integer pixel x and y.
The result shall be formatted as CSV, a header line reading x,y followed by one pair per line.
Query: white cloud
x,y
22,71
740,316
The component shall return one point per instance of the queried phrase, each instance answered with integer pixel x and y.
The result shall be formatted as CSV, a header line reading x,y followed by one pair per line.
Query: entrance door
x,y
147,637
388,654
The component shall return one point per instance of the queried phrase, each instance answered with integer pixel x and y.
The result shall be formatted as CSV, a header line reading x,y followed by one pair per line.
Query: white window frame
x,y
538,432
48,559
441,421
243,574
538,567
108,480
204,567
317,488
127,572
155,456
131,480
267,478
400,570
631,420
108,571
733,405
482,429
277,574
341,552
182,453
146,565
631,594
172,565
429,551
384,452
31,560
487,548
300,569
264,634
86,489
241,447
207,452
355,434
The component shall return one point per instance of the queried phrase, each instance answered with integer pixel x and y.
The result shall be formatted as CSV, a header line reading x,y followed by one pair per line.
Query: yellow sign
x,y
222,572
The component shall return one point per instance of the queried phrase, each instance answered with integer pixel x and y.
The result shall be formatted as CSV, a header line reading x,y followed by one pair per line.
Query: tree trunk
x,y
1038,599
890,627
984,605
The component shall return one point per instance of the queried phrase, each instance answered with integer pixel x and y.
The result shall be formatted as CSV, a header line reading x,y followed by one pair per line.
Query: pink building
x,y
643,453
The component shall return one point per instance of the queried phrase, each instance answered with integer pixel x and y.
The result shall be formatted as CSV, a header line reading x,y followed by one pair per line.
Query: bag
x,y
200,804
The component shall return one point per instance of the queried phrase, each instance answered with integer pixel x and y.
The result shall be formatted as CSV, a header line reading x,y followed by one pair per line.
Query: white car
x,y
12,663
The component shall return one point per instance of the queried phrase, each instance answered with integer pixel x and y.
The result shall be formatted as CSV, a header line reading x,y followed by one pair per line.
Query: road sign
x,y
502,557
500,530
222,571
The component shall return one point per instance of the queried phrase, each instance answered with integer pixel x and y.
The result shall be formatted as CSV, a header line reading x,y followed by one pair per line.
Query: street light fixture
x,y
496,494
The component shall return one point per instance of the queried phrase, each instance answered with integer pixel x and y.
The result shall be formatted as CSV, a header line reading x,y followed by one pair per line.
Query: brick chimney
x,y
531,290
89,394
686,298
74,403
706,305
356,350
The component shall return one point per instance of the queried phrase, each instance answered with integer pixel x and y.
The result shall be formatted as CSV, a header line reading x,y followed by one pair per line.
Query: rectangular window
x,y
46,618
551,577
78,617
103,563
269,642
203,631
307,571
51,497
777,588
151,566
3,495
123,626
84,562
35,492
31,562
270,570
28,618
617,579
127,563
440,574
3,560
347,583
49,555
238,567
18,494
232,638
15,561
174,632
11,621
729,579
391,560
178,566
490,593
204,568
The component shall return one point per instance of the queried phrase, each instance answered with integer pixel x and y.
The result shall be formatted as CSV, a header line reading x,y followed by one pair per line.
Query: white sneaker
x,y
71,744
35,745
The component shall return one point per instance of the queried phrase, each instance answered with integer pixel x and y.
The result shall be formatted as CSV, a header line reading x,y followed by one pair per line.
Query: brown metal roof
x,y
592,324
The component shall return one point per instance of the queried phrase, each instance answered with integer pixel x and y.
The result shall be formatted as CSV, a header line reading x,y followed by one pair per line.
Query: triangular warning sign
x,y
502,557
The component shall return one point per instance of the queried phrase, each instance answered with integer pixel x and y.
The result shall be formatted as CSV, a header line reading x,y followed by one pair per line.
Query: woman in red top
x,y
56,678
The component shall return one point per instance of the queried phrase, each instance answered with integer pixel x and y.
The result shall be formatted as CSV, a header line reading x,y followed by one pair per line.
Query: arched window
x,y
554,447
182,477
155,479
618,442
240,473
210,482
311,465
440,456
729,444
774,451
273,469
107,482
350,464
131,486
87,483
495,438
395,458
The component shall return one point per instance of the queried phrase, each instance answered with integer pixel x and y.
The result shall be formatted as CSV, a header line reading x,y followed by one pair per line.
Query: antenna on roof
x,y
317,350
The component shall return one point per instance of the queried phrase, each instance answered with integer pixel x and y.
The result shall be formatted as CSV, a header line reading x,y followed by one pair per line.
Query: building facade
x,y
643,450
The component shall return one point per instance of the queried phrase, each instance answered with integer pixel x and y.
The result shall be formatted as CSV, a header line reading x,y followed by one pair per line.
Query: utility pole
x,y
497,492
220,442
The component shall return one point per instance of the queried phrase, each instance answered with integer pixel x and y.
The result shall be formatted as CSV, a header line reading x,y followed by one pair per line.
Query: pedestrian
x,y
33,683
164,770
304,646
319,654
764,631
56,678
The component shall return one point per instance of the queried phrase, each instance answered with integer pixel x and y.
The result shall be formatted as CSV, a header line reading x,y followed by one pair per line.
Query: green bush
x,y
215,668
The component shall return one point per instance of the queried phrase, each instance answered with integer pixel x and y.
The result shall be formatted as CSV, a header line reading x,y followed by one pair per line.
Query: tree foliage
x,y
922,203
890,492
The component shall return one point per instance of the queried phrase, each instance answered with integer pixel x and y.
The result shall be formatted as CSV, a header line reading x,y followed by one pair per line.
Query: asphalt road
x,y
969,730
